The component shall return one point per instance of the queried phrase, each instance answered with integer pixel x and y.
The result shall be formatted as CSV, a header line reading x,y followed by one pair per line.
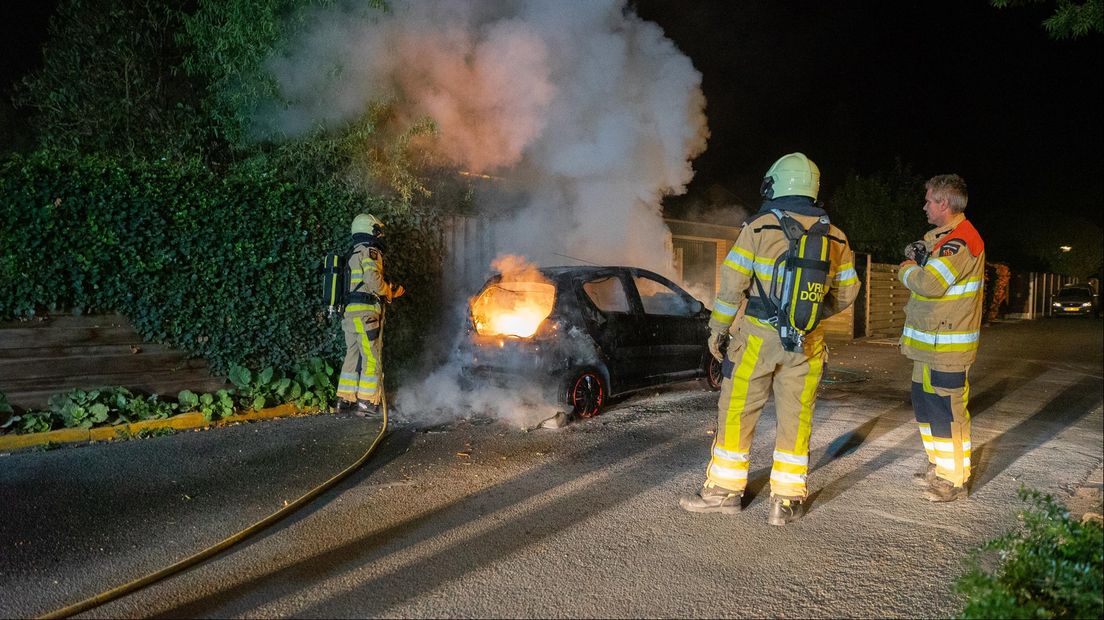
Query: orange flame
x,y
517,304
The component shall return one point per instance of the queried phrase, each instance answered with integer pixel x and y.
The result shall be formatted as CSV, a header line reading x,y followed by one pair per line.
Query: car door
x,y
614,321
672,318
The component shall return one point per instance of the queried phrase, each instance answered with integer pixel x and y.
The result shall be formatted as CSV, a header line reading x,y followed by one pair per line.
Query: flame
x,y
517,304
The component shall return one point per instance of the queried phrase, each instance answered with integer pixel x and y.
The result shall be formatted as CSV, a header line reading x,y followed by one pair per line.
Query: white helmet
x,y
791,175
368,224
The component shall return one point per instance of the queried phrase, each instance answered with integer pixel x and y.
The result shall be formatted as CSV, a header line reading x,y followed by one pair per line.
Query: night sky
x,y
944,85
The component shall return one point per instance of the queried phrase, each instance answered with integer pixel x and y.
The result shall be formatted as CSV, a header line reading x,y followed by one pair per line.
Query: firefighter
x,y
360,387
755,362
941,333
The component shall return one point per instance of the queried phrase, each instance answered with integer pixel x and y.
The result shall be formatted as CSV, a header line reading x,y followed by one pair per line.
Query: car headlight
x,y
1087,304
1057,305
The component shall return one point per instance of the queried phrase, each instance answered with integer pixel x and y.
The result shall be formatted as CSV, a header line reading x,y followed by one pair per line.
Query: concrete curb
x,y
180,421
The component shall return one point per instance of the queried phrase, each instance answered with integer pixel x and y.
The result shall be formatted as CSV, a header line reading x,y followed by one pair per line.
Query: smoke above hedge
x,y
588,113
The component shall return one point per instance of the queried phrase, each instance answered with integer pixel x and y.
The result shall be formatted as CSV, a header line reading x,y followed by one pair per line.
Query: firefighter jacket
x,y
943,315
760,243
367,286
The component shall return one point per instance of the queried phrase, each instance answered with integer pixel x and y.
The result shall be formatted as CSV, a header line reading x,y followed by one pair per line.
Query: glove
x,y
396,291
717,341
916,251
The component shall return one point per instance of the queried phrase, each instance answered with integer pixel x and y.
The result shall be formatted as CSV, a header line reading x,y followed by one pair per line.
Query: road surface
x,y
482,519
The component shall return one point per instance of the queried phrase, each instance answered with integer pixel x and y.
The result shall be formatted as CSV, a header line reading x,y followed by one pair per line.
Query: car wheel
x,y
585,392
713,373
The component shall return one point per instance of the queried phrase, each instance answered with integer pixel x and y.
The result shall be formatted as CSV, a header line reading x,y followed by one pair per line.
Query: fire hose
x,y
138,584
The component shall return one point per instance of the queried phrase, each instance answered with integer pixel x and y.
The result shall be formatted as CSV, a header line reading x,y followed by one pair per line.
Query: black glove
x,y
917,251
717,344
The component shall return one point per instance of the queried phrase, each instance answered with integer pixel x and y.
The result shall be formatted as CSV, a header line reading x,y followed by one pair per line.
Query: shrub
x,y
1050,567
997,277
223,264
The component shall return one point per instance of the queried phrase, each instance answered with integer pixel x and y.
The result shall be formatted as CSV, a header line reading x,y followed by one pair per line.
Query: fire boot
x,y
365,409
941,490
712,499
926,477
345,406
784,510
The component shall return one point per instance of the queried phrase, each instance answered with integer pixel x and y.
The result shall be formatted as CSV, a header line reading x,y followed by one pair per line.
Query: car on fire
x,y
587,333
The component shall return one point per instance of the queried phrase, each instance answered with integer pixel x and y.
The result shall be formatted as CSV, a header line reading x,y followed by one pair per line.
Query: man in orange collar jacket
x,y
941,334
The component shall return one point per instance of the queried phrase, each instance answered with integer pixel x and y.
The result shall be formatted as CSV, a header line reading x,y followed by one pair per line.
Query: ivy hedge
x,y
222,263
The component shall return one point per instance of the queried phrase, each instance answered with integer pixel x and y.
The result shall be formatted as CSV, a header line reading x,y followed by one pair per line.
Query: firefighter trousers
x,y
939,398
362,367
755,365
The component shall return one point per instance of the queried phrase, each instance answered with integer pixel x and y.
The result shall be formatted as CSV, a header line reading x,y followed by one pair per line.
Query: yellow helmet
x,y
368,224
792,175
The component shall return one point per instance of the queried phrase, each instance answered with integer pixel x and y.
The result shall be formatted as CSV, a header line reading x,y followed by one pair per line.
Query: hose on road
x,y
138,584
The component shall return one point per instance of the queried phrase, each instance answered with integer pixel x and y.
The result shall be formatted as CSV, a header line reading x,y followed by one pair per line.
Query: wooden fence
x,y
885,300
42,357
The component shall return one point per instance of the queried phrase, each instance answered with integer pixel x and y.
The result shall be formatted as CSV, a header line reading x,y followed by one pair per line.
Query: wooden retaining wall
x,y
42,357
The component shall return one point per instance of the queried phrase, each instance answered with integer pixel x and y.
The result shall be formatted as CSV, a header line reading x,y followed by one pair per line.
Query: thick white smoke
x,y
588,112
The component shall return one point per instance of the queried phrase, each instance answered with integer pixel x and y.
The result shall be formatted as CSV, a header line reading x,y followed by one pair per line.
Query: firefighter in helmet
x,y
360,386
755,359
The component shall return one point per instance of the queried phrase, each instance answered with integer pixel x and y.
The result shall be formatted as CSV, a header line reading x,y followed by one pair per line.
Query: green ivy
x,y
224,264
29,422
1051,567
310,384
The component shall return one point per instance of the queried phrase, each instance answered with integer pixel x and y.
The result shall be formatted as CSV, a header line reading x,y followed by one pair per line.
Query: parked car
x,y
588,333
1075,300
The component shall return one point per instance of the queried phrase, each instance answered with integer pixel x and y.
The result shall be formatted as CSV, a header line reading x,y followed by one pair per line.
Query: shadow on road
x,y
1061,412
850,442
375,596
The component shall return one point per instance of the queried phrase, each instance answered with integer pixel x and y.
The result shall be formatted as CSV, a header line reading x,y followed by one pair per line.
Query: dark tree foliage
x,y
110,82
228,43
1070,19
881,213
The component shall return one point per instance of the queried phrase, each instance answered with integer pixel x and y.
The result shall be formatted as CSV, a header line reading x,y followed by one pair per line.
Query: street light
x,y
1065,248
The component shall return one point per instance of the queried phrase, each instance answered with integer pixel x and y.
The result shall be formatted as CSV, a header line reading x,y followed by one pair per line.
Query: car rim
x,y
715,377
586,395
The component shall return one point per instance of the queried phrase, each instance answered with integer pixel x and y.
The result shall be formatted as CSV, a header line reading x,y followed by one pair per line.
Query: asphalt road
x,y
483,519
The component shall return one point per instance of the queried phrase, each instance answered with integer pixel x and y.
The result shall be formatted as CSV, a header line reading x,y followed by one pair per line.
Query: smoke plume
x,y
588,113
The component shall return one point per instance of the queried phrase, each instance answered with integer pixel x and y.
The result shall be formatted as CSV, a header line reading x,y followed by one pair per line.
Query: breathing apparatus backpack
x,y
799,281
335,282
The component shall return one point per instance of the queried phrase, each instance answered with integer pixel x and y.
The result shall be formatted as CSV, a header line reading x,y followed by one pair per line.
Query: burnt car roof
x,y
560,271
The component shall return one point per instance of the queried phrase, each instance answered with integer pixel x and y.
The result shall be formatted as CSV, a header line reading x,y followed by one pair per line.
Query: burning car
x,y
587,333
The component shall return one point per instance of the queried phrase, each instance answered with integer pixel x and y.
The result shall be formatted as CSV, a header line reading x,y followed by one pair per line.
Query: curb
x,y
180,421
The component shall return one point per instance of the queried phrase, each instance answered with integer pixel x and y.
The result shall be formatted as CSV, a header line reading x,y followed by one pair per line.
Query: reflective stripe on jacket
x,y
760,243
367,286
943,315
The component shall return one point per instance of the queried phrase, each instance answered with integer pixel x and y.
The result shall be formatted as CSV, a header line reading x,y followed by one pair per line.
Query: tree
x,y
1070,19
229,42
152,79
109,83
882,213
1069,246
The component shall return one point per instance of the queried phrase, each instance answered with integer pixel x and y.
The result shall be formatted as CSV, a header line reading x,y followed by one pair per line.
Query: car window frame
x,y
651,275
635,309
